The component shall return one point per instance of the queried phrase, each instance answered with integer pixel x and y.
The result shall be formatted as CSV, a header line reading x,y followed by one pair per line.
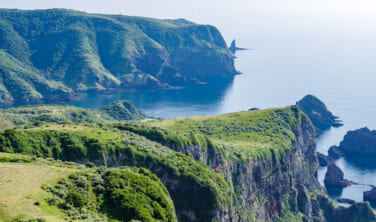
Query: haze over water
x,y
325,48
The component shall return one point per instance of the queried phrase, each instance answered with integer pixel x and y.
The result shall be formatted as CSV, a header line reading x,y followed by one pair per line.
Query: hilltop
x,y
51,55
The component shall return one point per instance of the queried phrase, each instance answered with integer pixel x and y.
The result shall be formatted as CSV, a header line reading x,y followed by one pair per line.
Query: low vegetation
x,y
257,134
49,190
113,147
122,110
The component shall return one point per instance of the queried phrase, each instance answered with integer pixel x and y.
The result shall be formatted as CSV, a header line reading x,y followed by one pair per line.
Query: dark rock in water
x,y
233,48
334,177
324,160
359,142
370,195
358,147
317,111
346,200
335,153
253,109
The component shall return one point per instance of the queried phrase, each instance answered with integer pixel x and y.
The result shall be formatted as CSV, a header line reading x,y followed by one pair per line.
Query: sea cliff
x,y
52,55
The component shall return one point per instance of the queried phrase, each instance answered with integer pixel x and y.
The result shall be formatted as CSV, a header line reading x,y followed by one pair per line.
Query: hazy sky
x,y
231,16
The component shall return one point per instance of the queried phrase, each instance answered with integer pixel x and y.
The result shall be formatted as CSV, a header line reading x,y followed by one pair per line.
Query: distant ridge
x,y
51,55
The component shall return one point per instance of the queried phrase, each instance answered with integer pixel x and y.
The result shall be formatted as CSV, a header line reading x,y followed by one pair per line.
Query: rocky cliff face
x,y
269,189
276,188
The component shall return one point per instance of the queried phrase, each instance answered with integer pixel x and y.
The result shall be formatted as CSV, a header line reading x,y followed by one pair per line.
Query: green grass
x,y
111,146
40,190
257,134
121,110
21,188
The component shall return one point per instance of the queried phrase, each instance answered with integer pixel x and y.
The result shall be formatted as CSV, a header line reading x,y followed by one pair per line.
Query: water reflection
x,y
188,101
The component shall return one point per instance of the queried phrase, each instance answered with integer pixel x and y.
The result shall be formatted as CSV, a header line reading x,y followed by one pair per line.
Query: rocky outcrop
x,y
370,195
358,212
335,153
358,147
319,114
346,200
359,142
324,160
334,177
233,48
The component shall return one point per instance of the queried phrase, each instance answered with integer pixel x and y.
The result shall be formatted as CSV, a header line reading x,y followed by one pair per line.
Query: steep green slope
x,y
47,190
113,147
117,111
48,55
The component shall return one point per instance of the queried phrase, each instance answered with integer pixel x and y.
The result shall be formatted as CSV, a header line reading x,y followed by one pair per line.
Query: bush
x,y
76,199
90,165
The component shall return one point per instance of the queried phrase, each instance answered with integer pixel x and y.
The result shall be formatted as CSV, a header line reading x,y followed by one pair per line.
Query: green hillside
x,y
26,115
113,147
35,189
50,55
199,168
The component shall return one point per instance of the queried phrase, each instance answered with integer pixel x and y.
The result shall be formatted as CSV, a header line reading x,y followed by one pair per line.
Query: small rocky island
x,y
357,146
233,48
334,177
359,142
319,114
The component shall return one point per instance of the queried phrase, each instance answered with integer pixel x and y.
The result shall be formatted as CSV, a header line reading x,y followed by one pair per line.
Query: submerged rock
x,y
319,114
334,177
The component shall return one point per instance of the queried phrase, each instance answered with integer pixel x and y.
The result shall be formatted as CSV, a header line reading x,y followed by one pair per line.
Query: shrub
x,y
76,199
90,165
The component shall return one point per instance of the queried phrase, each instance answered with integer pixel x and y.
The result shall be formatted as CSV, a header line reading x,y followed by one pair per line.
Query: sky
x,y
228,15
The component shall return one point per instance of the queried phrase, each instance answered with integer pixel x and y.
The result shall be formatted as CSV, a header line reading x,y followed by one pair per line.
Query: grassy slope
x,y
117,111
136,193
77,142
245,134
21,187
